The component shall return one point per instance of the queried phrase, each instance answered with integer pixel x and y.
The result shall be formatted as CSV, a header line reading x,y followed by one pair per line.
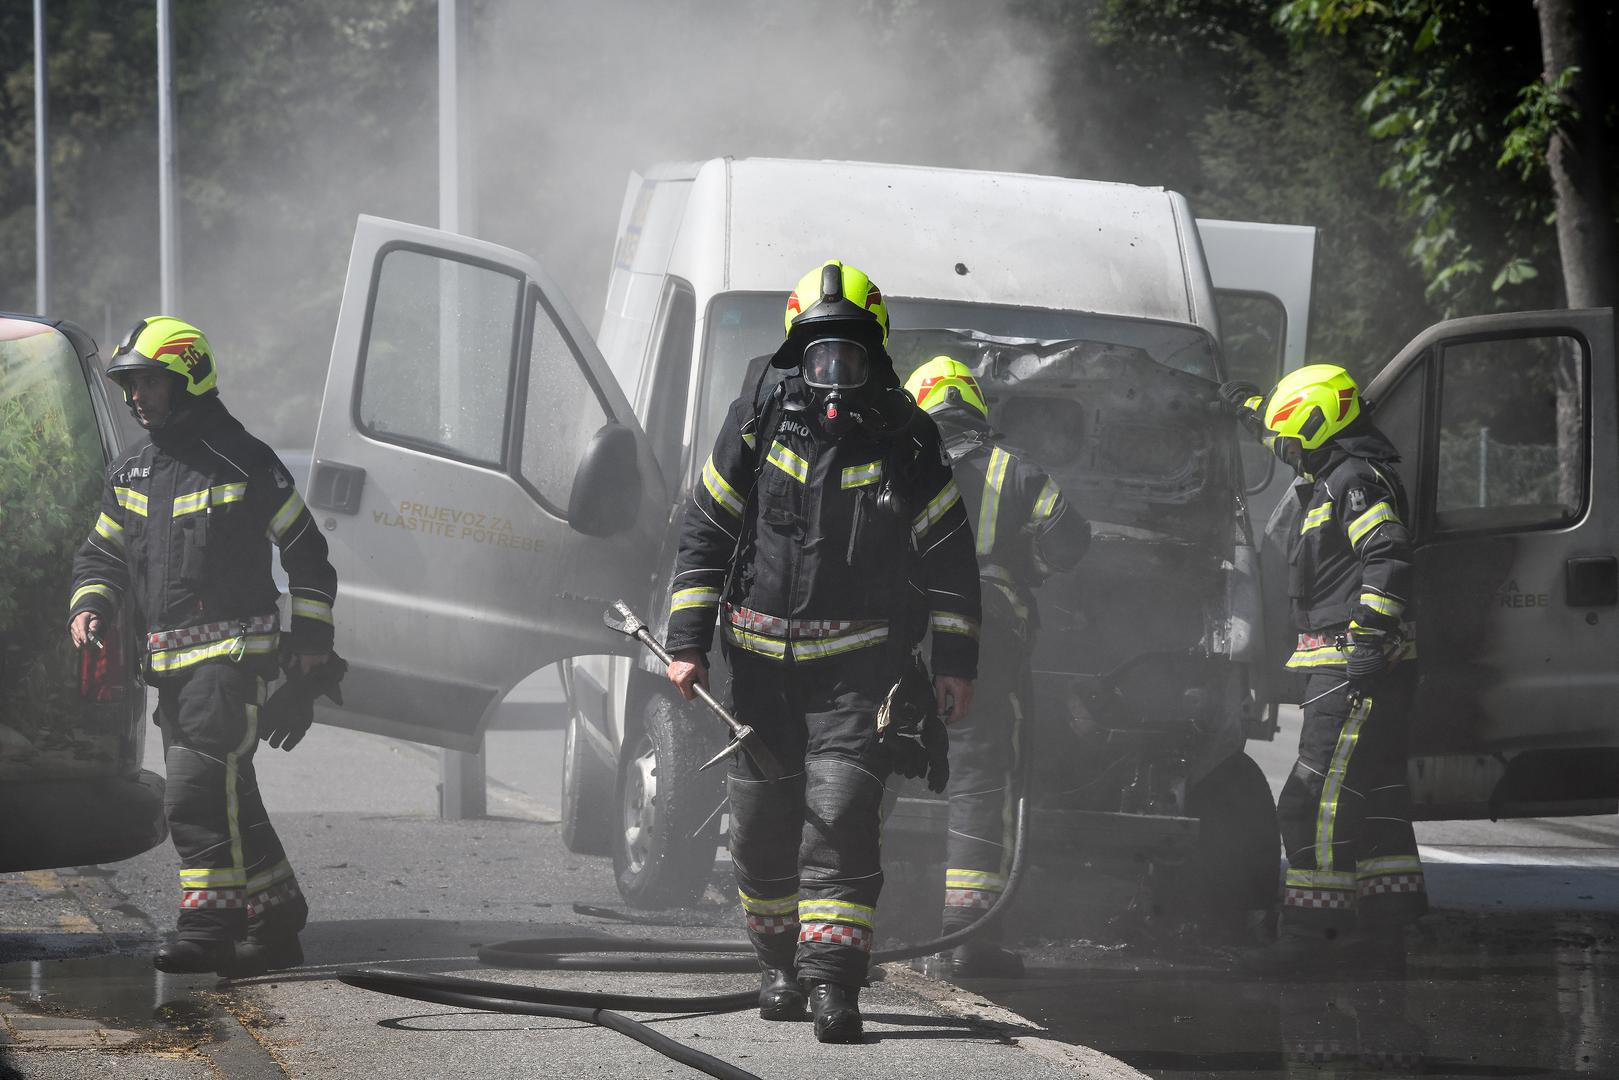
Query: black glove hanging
x,y
286,717
909,728
1368,658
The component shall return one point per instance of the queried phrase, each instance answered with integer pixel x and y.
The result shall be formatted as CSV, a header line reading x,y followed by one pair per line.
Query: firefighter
x,y
1354,879
1025,532
825,514
183,543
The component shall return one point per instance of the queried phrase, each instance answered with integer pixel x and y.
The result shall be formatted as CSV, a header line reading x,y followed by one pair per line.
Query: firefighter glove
x,y
1368,658
909,729
286,717
1241,396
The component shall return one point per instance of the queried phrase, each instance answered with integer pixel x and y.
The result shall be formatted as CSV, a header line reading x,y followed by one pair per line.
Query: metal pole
x,y
42,170
168,223
463,779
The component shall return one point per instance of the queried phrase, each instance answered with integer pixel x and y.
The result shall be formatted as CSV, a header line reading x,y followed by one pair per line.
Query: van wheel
x,y
1233,870
587,795
668,824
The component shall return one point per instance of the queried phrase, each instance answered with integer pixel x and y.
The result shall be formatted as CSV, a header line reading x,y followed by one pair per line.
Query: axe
x,y
619,617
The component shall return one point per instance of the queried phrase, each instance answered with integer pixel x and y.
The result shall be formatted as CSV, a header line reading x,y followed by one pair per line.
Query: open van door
x,y
481,480
1506,424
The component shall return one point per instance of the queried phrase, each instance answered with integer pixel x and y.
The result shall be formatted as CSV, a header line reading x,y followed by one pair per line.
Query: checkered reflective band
x,y
213,898
1392,883
772,924
1317,898
280,893
836,934
204,633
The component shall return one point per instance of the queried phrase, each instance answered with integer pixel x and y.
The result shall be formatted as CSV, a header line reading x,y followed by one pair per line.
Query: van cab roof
x,y
953,234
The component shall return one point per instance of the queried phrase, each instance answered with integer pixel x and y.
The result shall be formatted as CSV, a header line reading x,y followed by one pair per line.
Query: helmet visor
x,y
835,364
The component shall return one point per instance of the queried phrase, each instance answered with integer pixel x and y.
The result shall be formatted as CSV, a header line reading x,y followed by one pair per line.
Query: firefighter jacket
x,y
786,530
182,545
1349,564
1024,529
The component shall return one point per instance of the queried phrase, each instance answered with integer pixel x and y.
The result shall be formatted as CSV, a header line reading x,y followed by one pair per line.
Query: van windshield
x,y
743,326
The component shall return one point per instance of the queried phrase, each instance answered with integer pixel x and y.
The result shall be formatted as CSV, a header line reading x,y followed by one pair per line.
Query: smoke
x,y
566,101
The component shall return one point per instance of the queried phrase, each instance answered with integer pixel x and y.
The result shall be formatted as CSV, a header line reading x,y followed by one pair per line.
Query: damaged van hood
x,y
1132,441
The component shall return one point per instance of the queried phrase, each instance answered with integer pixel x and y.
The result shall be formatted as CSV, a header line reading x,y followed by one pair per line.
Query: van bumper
x,y
53,823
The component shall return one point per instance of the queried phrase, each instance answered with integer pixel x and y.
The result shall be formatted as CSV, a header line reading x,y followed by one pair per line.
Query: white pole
x,y
463,779
168,224
42,170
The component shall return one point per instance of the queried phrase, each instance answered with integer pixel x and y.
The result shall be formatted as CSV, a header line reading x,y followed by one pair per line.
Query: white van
x,y
489,479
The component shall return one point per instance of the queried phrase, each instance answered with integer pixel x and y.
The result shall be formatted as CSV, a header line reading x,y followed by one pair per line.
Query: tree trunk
x,y
1577,156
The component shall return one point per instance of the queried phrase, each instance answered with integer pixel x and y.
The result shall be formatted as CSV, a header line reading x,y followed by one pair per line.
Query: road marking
x,y
1590,858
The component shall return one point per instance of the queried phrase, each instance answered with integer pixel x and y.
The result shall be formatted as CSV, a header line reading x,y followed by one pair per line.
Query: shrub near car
x,y
72,791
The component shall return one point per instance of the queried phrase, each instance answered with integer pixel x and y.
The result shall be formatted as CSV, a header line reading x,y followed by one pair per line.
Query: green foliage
x,y
50,480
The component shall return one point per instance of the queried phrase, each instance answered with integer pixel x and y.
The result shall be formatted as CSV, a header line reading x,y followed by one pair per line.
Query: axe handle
x,y
645,637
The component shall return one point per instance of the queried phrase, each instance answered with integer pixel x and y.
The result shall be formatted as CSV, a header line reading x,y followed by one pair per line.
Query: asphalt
x,y
393,886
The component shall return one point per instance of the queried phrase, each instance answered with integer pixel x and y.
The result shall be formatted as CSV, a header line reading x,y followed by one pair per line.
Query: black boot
x,y
837,1011
190,956
780,996
258,955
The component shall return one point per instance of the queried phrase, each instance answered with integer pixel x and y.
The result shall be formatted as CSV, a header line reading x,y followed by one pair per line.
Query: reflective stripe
x,y
945,622
1371,519
974,879
311,609
219,495
284,518
1388,864
750,441
1320,879
861,475
1317,517
237,647
702,596
838,911
990,509
228,877
233,816
779,905
948,496
1047,502
719,490
91,590
788,462
774,648
131,500
1382,604
203,633
281,871
108,528
1327,815
824,647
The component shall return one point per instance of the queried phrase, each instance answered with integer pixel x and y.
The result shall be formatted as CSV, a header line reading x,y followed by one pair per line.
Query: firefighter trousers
x,y
984,751
234,874
805,847
1345,811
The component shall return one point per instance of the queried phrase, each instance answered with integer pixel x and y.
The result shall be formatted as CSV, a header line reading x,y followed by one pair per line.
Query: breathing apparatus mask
x,y
837,371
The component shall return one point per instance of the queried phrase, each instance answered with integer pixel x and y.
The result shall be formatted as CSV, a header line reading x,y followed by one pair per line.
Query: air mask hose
x,y
584,952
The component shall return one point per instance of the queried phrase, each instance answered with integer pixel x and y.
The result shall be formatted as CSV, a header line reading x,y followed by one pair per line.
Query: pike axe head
x,y
747,740
619,617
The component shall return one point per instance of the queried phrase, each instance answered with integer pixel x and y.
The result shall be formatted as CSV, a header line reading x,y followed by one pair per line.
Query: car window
x,y
51,470
671,376
437,369
1253,333
1512,434
741,327
563,411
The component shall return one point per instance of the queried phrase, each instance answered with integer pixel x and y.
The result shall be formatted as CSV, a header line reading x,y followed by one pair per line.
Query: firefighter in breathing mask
x,y
826,536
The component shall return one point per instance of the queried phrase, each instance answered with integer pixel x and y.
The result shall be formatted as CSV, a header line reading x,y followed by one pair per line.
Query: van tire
x,y
1234,869
666,830
588,790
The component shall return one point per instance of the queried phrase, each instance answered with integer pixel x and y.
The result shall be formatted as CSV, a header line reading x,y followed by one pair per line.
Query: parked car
x,y
72,790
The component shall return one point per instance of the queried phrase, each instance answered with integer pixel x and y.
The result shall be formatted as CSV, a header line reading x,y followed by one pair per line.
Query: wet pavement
x,y
1501,996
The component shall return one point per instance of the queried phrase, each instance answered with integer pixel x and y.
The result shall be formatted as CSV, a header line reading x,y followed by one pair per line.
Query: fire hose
x,y
598,952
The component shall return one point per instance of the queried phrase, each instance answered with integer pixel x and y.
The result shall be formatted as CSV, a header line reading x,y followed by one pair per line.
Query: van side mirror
x,y
606,493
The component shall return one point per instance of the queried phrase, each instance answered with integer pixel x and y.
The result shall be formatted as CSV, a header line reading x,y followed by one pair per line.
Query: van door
x,y
1506,426
1262,279
481,479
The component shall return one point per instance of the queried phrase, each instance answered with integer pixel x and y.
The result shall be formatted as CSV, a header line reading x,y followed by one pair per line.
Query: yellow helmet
x,y
1313,404
164,343
944,383
835,292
